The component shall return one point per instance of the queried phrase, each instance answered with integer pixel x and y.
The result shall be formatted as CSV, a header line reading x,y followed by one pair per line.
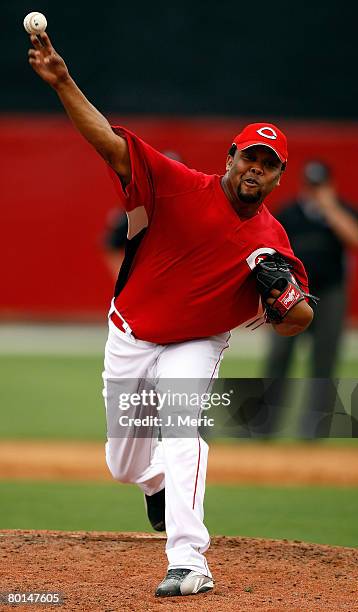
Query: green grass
x,y
325,515
51,397
253,368
59,397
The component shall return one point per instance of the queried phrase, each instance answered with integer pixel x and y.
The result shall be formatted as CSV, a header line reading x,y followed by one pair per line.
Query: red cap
x,y
265,134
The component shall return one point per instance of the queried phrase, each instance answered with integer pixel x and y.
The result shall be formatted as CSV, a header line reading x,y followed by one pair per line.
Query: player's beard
x,y
249,198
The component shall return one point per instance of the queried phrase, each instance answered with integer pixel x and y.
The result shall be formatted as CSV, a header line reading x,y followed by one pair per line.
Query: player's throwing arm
x,y
50,66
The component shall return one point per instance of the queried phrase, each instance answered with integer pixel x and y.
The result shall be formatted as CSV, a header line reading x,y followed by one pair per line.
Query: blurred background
x,y
186,77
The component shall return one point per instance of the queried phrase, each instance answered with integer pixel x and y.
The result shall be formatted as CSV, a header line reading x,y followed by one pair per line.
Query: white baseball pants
x,y
178,464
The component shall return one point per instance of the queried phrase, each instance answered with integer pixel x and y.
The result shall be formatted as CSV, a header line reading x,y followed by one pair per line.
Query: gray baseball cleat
x,y
155,506
183,581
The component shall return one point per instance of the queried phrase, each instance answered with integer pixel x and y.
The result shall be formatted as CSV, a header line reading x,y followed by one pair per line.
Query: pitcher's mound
x,y
118,572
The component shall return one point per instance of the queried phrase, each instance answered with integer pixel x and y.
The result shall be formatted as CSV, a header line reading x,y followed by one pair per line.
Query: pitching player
x,y
199,239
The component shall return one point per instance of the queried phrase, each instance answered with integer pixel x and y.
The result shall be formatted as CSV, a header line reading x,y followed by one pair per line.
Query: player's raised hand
x,y
46,62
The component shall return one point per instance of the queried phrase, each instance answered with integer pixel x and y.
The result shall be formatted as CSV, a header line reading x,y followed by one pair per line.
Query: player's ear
x,y
283,166
230,156
229,162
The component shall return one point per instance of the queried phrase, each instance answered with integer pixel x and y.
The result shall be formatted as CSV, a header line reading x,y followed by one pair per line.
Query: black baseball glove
x,y
274,272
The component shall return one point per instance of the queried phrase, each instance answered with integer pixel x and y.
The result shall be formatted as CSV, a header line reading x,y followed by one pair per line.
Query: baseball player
x,y
198,240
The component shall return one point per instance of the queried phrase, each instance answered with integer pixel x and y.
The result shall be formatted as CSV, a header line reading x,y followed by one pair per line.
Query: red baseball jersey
x,y
192,274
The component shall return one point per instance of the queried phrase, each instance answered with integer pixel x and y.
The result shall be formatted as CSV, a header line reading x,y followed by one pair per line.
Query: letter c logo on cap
x,y
263,132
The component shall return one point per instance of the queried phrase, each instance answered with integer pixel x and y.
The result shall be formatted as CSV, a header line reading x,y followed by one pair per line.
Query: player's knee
x,y
119,471
118,467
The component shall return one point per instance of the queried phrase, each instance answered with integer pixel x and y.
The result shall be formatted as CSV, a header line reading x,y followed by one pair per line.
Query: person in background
x,y
320,228
114,239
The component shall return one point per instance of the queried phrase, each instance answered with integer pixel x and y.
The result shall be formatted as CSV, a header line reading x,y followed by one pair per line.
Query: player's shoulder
x,y
270,223
171,178
268,232
271,238
266,239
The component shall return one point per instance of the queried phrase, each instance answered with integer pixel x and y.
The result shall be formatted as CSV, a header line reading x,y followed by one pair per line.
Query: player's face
x,y
253,173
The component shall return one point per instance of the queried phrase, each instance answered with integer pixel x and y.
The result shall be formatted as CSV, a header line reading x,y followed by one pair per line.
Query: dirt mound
x,y
118,572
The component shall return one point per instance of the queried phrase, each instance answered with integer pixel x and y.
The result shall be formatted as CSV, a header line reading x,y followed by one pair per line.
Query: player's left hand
x,y
297,315
275,293
283,299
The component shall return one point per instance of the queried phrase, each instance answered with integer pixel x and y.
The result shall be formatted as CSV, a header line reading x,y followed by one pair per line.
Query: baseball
x,y
35,23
